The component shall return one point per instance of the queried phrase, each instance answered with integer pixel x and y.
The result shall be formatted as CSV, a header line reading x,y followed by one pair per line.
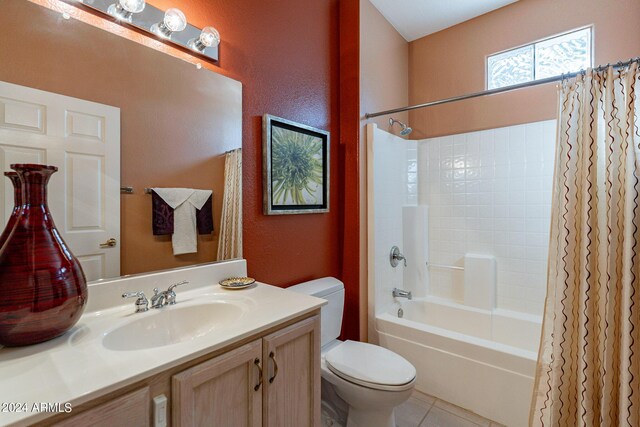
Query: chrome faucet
x,y
158,300
168,297
142,303
399,293
395,257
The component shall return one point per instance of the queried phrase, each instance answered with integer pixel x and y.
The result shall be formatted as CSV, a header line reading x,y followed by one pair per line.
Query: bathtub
x,y
481,360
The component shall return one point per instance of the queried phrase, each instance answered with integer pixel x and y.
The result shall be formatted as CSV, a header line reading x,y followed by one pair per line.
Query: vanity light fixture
x,y
209,37
174,21
170,26
124,9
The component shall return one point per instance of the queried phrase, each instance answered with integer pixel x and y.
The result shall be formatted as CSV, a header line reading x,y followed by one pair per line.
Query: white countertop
x,y
77,367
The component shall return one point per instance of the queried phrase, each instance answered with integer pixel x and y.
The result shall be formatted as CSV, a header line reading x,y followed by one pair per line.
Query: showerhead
x,y
404,129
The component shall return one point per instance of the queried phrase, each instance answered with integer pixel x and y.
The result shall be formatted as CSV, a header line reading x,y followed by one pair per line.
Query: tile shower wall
x,y
489,192
392,184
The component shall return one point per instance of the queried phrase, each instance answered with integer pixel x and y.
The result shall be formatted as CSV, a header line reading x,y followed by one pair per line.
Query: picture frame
x,y
295,167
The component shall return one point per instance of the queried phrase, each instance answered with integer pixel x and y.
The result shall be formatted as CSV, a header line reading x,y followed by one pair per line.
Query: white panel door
x,y
82,139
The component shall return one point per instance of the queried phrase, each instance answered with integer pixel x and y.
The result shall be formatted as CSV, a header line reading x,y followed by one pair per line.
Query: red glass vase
x,y
17,206
43,289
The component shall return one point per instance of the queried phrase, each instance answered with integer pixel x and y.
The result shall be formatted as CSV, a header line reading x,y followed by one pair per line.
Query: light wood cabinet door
x,y
132,409
292,375
224,391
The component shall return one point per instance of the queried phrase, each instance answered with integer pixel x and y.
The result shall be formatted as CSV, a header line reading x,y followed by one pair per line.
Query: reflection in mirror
x,y
111,113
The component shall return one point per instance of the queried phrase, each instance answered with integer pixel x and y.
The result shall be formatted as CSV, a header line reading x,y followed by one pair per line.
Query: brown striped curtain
x,y
589,362
230,239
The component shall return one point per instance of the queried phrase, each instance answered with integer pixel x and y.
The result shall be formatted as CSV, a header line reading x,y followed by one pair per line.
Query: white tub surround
x,y
481,360
78,367
481,221
391,185
489,192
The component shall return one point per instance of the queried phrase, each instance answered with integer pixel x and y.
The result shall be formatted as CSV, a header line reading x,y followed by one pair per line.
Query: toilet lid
x,y
369,364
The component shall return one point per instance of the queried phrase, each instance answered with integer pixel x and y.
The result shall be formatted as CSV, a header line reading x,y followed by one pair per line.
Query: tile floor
x,y
422,410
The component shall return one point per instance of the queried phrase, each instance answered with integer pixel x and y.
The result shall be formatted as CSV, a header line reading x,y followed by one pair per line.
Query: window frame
x,y
590,27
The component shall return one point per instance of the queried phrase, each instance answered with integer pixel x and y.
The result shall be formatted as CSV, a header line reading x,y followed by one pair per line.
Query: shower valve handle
x,y
395,257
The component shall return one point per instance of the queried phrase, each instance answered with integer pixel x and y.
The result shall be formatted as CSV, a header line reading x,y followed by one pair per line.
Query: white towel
x,y
184,202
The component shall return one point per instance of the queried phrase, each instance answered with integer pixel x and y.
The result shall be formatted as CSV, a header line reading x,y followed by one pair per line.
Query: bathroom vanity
x,y
217,357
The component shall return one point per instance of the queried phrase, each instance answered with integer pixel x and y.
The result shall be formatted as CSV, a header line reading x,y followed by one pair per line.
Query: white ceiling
x,y
417,18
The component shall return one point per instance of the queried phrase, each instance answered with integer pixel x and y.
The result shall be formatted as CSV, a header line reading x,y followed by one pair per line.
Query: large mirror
x,y
111,113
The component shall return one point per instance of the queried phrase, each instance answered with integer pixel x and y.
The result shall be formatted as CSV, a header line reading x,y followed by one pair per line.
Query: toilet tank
x,y
332,290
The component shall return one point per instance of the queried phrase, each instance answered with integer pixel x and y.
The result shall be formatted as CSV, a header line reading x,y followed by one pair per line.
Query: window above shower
x,y
565,53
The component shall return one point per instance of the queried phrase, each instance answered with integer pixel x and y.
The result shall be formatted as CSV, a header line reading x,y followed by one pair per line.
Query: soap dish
x,y
237,282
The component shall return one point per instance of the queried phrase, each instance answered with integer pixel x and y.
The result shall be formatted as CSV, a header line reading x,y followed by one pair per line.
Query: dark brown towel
x,y
162,216
204,217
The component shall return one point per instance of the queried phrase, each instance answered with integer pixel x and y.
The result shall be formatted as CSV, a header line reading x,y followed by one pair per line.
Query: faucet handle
x,y
138,294
395,256
171,295
142,303
184,282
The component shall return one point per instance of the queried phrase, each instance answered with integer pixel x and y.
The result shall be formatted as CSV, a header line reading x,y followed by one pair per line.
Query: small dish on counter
x,y
236,283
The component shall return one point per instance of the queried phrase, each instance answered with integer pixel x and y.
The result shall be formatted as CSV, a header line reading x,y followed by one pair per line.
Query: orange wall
x,y
384,84
384,73
287,54
452,62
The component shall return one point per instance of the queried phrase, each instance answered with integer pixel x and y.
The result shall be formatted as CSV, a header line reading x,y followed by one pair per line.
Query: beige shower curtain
x,y
589,363
230,240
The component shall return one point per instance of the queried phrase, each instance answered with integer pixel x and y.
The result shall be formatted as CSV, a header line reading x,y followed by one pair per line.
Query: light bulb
x,y
210,37
175,20
124,9
133,6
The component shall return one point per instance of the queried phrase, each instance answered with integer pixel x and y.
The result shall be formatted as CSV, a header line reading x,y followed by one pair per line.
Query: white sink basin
x,y
171,325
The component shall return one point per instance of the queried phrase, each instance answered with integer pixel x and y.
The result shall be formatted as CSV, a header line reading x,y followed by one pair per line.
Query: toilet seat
x,y
370,366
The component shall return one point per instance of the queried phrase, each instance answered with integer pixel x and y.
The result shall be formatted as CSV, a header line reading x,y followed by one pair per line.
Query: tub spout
x,y
399,293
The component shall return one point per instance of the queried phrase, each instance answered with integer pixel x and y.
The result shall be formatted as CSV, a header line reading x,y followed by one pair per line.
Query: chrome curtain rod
x,y
499,90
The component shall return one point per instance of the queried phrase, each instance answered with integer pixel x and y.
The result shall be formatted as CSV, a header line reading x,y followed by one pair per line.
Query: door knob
x,y
109,243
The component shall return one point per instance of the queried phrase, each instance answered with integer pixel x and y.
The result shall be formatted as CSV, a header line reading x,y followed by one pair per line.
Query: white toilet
x,y
370,379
